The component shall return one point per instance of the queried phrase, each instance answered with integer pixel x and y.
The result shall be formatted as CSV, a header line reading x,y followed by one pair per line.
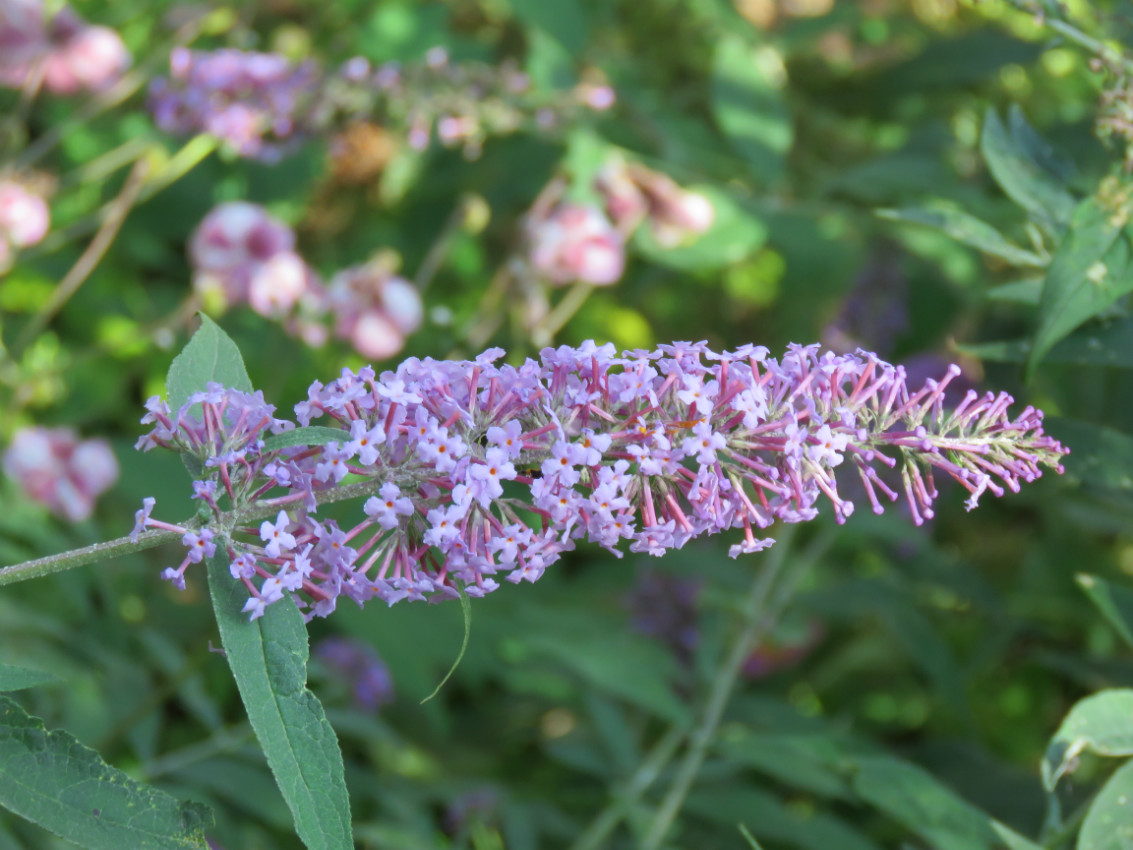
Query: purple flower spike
x,y
482,472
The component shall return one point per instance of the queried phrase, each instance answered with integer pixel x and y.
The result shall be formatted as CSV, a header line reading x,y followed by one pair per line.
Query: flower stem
x,y
73,558
772,590
624,799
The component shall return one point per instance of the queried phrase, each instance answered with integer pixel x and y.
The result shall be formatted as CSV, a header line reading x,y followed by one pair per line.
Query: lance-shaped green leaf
x,y
1109,822
932,811
210,355
748,104
1089,271
967,229
1101,344
52,780
268,657
1114,601
1102,723
18,678
1030,179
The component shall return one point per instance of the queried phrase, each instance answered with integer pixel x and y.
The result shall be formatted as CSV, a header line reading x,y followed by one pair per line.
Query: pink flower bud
x,y
576,242
92,60
236,233
24,217
277,284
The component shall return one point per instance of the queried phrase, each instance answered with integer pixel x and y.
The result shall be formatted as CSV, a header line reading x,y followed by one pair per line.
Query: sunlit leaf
x,y
1102,723
1109,822
1028,180
967,229
1089,271
748,105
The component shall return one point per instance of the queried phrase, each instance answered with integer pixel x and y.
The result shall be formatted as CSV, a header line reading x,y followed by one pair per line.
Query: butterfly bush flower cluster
x,y
240,254
24,220
261,105
475,473
71,54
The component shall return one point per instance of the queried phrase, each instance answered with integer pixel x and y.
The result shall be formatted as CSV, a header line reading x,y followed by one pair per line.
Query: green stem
x,y
116,214
760,613
148,539
595,835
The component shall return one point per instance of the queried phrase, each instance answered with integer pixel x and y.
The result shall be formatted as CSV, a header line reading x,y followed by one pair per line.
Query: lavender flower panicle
x,y
480,471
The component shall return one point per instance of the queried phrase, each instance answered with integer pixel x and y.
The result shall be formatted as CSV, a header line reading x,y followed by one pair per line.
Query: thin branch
x,y
90,258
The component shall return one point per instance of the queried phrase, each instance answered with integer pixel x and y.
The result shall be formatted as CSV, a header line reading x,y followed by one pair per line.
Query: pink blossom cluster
x,y
54,467
475,472
569,241
261,104
71,54
241,254
633,194
24,219
254,102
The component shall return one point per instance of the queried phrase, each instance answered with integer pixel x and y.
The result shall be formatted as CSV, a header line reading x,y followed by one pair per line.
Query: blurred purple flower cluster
x,y
361,667
260,104
24,220
476,471
242,255
70,54
54,467
256,102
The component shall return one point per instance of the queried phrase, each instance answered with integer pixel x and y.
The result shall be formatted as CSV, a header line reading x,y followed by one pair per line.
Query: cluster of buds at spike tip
x,y
241,254
57,469
474,472
262,104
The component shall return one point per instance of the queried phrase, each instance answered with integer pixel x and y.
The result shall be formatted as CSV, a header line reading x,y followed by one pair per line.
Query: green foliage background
x,y
908,693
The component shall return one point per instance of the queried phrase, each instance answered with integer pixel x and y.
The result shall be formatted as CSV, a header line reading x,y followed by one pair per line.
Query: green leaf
x,y
748,105
1104,344
1098,455
1114,601
19,678
967,229
772,819
1025,174
935,813
268,657
1026,291
311,435
563,20
466,610
1102,723
1088,273
52,780
735,234
210,355
1109,822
